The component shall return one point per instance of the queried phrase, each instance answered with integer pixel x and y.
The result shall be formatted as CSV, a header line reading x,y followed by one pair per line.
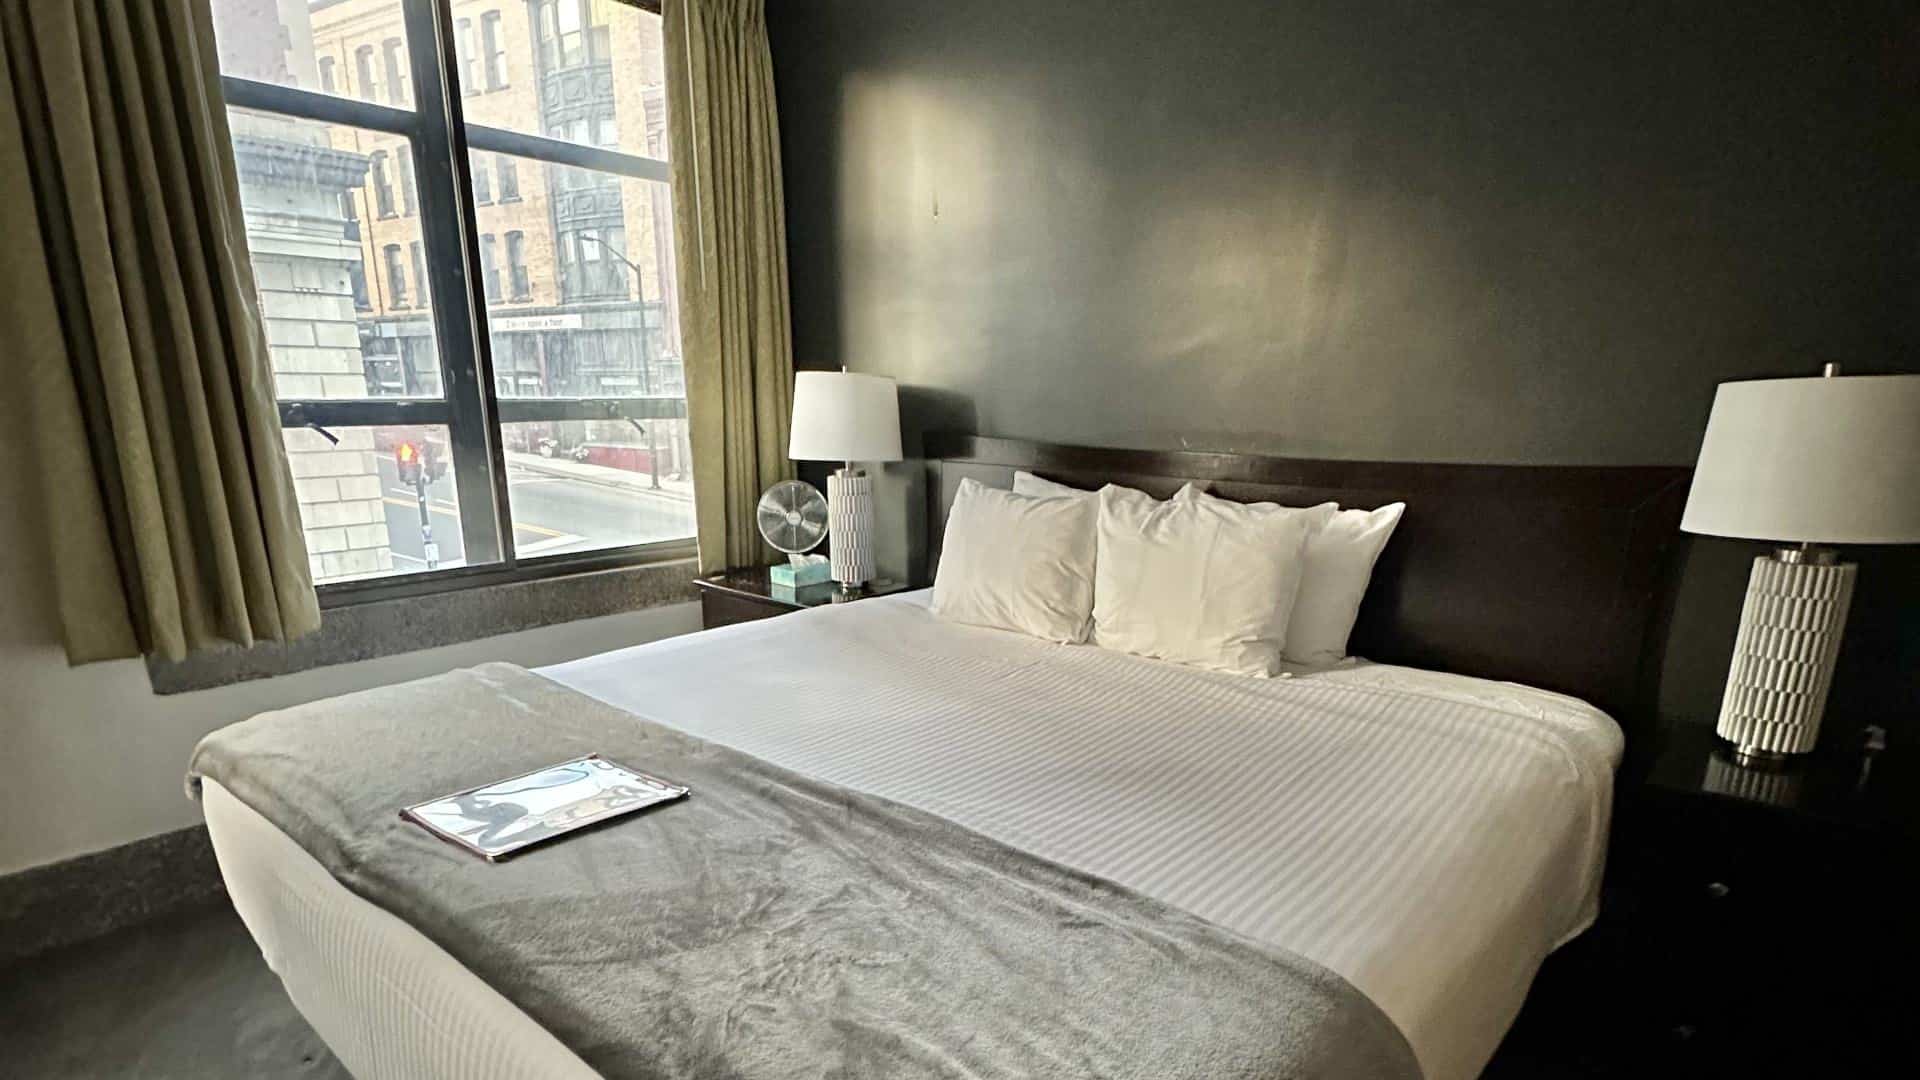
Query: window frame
x,y
382,183
365,72
493,51
393,259
490,268
521,281
393,55
439,142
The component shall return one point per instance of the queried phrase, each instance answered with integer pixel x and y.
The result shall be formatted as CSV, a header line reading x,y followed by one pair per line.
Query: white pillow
x,y
1340,559
1017,562
1199,581
1025,483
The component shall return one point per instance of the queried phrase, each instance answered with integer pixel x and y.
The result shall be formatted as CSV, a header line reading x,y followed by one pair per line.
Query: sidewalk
x,y
602,475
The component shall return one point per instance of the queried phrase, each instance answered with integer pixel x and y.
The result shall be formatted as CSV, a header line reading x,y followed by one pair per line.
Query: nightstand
x,y
1751,923
737,596
1761,922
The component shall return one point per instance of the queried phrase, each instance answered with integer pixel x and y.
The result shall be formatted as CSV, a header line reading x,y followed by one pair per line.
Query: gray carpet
x,y
186,996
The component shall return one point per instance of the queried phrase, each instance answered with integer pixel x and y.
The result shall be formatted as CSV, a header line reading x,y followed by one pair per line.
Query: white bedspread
x,y
1430,837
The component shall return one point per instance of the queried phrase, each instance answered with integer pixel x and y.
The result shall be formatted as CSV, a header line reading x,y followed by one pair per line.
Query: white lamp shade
x,y
843,416
1820,460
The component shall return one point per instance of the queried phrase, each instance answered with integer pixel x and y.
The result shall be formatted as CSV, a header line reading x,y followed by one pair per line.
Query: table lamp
x,y
1805,464
846,417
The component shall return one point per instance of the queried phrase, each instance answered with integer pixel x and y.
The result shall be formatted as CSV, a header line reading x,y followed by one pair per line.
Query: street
x,y
551,515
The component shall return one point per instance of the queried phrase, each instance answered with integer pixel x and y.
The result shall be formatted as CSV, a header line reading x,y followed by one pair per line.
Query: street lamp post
x,y
653,445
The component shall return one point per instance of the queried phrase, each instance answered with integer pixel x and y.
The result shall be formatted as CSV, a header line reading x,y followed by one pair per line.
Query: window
x,y
363,67
326,76
396,277
356,280
517,265
407,191
382,184
490,267
573,40
469,55
397,92
613,264
496,47
420,272
482,182
547,28
594,263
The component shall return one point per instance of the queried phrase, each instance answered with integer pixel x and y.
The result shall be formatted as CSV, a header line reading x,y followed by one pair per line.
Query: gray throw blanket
x,y
772,925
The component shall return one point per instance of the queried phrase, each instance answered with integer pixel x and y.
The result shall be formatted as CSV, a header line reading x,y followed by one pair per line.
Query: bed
x,y
1427,824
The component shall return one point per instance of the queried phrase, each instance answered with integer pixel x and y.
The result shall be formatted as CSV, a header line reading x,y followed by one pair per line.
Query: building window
x,y
408,195
547,33
490,267
517,265
396,277
606,131
363,68
496,50
573,36
382,344
469,55
594,263
397,93
382,185
419,257
357,282
613,263
326,76
482,179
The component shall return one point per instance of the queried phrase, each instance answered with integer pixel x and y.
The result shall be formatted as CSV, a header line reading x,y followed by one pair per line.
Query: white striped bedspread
x,y
1430,837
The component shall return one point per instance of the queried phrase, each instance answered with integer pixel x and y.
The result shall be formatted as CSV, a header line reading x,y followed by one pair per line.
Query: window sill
x,y
383,618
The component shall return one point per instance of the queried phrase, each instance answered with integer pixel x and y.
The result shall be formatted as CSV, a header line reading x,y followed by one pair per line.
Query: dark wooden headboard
x,y
1548,575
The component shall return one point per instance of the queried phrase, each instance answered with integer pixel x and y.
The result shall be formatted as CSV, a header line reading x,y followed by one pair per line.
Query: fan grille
x,y
792,516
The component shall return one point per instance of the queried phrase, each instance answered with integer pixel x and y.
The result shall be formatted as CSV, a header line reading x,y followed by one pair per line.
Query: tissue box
x,y
793,577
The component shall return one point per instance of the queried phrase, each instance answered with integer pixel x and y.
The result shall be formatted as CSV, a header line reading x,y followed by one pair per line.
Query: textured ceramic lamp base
x,y
850,527
1783,657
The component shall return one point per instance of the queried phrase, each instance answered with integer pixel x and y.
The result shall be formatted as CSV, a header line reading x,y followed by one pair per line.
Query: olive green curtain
x,y
132,327
730,241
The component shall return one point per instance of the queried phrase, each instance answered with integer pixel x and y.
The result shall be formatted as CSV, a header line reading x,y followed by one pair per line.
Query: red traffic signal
x,y
407,457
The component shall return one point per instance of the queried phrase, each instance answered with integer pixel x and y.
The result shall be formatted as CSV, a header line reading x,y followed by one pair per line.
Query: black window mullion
x,y
327,108
440,158
362,412
562,152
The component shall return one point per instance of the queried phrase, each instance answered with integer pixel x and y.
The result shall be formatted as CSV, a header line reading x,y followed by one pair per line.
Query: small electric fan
x,y
793,518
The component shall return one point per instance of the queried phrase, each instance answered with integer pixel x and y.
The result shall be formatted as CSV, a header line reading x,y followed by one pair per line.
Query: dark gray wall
x,y
1366,229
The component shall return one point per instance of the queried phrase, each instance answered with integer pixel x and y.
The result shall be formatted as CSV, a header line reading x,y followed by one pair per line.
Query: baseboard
x,y
80,899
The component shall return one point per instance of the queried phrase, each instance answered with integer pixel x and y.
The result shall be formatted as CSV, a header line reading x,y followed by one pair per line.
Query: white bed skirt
x,y
386,1000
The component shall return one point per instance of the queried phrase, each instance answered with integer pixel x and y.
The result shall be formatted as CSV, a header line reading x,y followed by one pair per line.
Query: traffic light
x,y
407,457
431,463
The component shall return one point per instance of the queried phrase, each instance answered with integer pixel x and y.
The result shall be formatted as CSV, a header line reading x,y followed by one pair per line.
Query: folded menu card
x,y
499,819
